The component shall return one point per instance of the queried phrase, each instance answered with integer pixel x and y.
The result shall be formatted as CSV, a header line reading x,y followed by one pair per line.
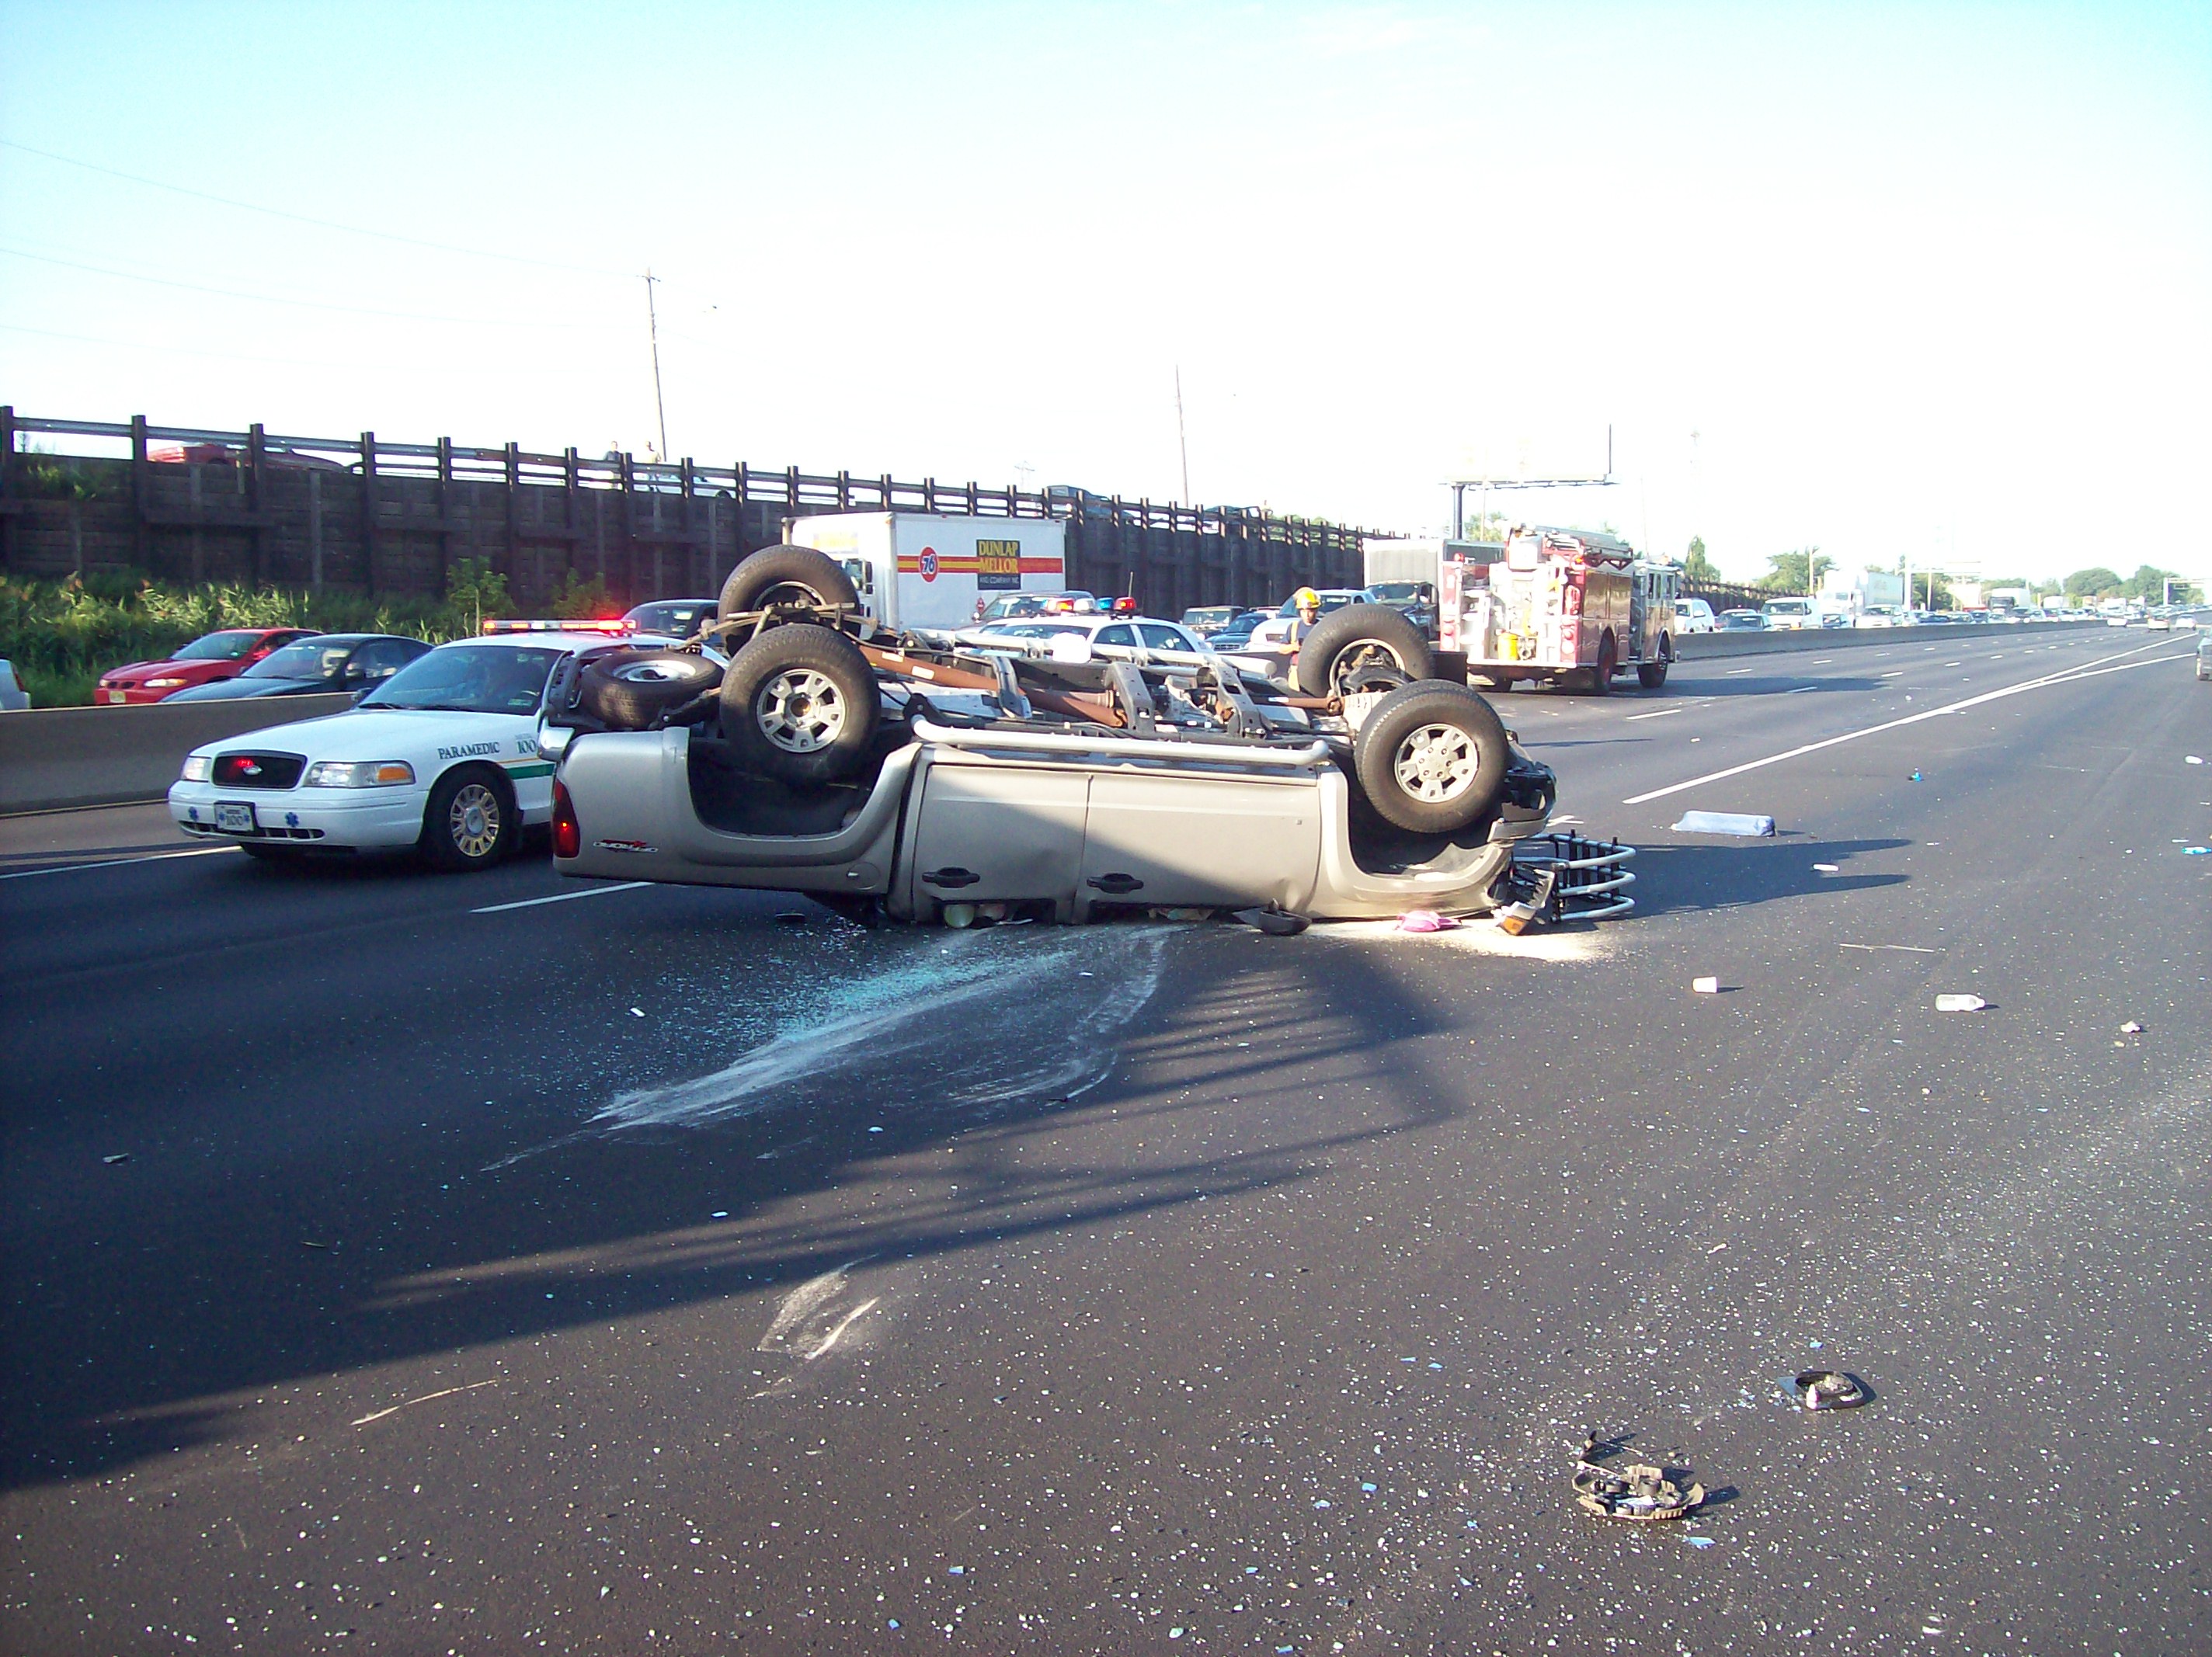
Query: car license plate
x,y
234,817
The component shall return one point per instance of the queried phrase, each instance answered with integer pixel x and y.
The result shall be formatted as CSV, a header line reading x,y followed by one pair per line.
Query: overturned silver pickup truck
x,y
795,745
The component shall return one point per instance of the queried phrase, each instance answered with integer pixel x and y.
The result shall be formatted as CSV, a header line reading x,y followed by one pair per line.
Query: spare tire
x,y
1360,637
1431,757
628,690
798,704
786,575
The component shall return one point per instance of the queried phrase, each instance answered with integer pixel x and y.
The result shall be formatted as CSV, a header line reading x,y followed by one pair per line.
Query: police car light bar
x,y
516,624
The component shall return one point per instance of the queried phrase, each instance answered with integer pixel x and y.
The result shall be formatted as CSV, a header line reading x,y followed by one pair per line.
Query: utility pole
x,y
652,332
1182,440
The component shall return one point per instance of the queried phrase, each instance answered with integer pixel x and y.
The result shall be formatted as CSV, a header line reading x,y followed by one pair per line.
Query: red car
x,y
223,655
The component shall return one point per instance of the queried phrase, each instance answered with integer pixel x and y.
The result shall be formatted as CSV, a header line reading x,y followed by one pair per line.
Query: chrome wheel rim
x,y
801,711
1435,764
473,820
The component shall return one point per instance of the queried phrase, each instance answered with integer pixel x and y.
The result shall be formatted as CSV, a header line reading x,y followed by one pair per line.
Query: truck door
x,y
991,833
1180,837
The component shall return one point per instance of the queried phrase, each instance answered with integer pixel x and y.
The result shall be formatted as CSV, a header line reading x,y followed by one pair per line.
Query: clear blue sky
x,y
1930,279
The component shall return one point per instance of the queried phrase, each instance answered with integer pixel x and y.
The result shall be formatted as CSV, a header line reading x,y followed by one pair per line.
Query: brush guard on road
x,y
1566,878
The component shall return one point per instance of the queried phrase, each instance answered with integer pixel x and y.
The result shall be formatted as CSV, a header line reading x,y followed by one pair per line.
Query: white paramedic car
x,y
442,757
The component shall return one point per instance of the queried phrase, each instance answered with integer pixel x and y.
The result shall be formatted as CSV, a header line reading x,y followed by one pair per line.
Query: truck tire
x,y
1652,675
786,575
1360,636
1431,757
798,704
1608,663
472,820
630,689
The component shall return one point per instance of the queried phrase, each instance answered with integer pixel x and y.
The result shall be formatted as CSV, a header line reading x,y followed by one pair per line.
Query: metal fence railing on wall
x,y
383,517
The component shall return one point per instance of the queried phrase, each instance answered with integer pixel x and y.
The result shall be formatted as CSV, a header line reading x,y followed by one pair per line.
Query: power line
x,y
305,218
304,304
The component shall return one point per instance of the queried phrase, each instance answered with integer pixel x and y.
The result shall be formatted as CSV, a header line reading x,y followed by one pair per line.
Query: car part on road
x,y
470,820
1430,757
1275,921
786,575
630,689
1959,1003
1724,823
799,704
1828,1389
1636,1490
1565,877
1373,644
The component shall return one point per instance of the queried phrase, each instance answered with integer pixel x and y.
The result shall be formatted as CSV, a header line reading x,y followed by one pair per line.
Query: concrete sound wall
x,y
53,758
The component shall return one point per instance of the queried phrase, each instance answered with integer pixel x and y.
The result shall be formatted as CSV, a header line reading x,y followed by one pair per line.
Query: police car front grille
x,y
258,770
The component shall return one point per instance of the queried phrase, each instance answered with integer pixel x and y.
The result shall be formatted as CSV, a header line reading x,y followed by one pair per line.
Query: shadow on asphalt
x,y
1693,878
129,1346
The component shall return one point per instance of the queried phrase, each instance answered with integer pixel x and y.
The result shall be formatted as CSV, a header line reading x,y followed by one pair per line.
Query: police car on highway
x,y
442,757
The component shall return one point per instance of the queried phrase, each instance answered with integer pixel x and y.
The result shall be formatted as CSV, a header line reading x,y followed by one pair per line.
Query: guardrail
x,y
55,758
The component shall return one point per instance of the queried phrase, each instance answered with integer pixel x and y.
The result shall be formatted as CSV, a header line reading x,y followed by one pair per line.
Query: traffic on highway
x,y
626,1243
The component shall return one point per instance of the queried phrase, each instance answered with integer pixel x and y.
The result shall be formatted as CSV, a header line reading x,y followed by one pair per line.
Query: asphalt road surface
x,y
425,1264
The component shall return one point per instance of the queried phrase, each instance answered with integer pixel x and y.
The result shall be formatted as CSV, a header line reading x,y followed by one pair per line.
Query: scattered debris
x,y
1959,1003
1826,869
1513,919
1915,777
117,1157
637,1012
2131,1028
2196,851
957,915
1636,1490
2196,759
1428,920
792,917
1706,985
1275,920
1184,914
325,1247
1724,823
379,1415
1828,1389
1909,949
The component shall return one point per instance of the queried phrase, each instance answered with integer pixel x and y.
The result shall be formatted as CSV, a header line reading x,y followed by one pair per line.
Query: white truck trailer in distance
x,y
928,570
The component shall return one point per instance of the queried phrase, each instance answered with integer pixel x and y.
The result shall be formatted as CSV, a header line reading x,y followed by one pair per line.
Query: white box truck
x,y
928,570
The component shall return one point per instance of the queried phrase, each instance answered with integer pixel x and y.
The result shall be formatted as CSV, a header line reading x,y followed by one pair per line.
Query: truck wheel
x,y
1652,675
628,690
472,821
798,704
1608,663
1361,637
786,575
1431,757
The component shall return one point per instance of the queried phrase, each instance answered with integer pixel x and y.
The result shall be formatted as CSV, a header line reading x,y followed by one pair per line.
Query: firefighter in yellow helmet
x,y
1306,602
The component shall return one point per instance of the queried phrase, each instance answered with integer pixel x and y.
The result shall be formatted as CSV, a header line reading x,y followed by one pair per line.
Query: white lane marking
x,y
1733,671
118,863
843,1324
560,897
1895,672
379,1415
801,1301
1660,714
2090,669
1801,691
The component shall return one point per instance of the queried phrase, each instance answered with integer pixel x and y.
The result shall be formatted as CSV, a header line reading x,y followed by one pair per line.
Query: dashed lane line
x,y
1660,714
560,897
119,862
2089,669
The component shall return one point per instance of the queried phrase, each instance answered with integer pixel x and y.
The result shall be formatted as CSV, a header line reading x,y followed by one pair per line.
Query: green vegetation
x,y
2147,585
1787,572
62,635
577,600
1698,570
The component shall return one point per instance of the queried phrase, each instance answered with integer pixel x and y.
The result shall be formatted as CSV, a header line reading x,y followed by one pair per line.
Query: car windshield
x,y
310,659
678,618
1789,607
471,678
1401,592
1035,629
1328,601
218,647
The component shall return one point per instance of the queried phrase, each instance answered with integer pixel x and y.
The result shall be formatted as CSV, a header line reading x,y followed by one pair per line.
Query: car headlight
x,y
163,684
197,766
357,774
